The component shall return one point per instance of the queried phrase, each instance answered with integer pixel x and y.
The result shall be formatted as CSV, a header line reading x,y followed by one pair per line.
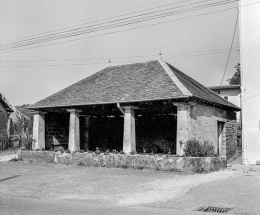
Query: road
x,y
29,206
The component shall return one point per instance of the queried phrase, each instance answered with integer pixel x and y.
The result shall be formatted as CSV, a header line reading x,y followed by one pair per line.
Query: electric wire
x,y
230,48
53,37
81,64
119,11
98,20
118,57
130,28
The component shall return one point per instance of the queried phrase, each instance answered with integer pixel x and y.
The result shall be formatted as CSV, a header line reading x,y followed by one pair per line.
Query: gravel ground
x,y
124,187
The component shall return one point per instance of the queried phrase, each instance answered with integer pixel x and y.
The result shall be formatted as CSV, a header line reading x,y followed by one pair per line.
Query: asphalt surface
x,y
241,192
27,206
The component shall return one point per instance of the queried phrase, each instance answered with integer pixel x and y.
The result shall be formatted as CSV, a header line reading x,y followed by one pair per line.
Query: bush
x,y
5,142
208,149
194,148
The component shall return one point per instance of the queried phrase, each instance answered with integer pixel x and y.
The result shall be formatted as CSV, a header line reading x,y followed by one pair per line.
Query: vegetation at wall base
x,y
194,148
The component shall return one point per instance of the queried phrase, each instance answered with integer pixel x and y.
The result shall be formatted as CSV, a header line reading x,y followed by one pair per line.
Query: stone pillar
x,y
9,122
74,130
129,143
183,126
39,130
223,152
86,133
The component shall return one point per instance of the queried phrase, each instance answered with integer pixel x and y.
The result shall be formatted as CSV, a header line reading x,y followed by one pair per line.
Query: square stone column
x,y
183,126
129,142
38,130
86,133
74,135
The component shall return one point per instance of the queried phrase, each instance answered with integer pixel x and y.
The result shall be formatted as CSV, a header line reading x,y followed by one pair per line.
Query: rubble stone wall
x,y
154,162
231,137
204,125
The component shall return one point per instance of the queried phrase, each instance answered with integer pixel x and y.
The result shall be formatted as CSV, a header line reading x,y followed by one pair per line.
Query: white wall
x,y
250,67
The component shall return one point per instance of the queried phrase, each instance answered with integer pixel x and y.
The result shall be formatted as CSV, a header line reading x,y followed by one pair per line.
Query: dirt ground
x,y
129,187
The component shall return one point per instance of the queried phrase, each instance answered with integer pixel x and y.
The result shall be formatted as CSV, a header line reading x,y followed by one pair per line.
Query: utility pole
x,y
250,79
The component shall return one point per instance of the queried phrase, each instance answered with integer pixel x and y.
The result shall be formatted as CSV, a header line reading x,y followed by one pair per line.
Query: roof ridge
x,y
174,78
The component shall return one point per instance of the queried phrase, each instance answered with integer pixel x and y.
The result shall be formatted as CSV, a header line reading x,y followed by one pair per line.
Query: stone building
x,y
5,110
148,106
232,93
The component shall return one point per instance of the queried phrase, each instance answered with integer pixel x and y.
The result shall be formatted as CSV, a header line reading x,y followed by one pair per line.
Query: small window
x,y
226,97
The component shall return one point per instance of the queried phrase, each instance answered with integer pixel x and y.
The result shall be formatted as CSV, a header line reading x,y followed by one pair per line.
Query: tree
x,y
236,79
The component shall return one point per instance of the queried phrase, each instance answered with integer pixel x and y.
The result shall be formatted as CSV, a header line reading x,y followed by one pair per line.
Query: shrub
x,y
208,149
194,148
5,142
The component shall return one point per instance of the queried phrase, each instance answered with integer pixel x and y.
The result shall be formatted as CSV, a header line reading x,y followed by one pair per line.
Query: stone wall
x,y
154,162
3,118
204,125
231,137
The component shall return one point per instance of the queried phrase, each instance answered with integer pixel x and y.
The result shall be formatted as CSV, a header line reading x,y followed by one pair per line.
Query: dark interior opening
x,y
106,133
156,133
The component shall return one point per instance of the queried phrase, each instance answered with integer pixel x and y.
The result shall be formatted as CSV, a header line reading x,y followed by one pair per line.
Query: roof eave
x,y
102,103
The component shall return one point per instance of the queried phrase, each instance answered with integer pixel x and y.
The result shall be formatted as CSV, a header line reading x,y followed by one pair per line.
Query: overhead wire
x,y
81,64
106,27
119,11
230,48
54,37
117,57
158,23
99,20
196,8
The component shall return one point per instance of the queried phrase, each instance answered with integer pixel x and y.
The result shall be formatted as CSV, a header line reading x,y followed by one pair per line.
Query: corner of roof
x,y
174,78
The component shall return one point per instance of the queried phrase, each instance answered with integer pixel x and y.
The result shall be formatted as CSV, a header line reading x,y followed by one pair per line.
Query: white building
x,y
232,93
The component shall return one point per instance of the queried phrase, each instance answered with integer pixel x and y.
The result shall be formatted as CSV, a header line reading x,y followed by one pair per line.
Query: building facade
x,y
149,106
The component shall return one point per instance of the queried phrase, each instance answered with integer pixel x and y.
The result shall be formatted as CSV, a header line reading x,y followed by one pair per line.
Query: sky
x,y
196,42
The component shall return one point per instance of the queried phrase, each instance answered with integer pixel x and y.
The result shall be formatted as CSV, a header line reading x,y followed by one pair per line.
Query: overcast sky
x,y
40,74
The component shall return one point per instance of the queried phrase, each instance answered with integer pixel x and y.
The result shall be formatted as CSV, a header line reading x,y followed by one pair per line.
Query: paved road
x,y
28,206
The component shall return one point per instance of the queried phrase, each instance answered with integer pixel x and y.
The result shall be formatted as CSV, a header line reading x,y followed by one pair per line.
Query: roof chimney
x,y
160,53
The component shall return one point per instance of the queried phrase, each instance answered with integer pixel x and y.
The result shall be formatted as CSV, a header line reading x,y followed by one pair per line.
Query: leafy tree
x,y
236,79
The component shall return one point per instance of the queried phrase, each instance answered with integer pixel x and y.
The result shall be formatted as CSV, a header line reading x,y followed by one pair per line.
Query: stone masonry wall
x,y
154,162
231,137
204,120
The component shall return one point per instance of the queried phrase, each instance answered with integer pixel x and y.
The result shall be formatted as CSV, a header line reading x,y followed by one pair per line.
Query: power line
x,y
81,64
125,29
230,48
118,57
90,18
53,37
99,20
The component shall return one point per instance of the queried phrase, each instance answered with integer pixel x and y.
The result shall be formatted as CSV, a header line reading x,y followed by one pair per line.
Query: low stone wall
x,y
155,162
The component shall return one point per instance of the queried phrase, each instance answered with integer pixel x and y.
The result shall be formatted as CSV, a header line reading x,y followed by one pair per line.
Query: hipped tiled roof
x,y
152,80
7,106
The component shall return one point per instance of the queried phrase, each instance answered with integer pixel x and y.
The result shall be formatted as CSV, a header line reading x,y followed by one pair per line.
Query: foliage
x,y
5,142
208,149
194,148
236,78
27,142
22,126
